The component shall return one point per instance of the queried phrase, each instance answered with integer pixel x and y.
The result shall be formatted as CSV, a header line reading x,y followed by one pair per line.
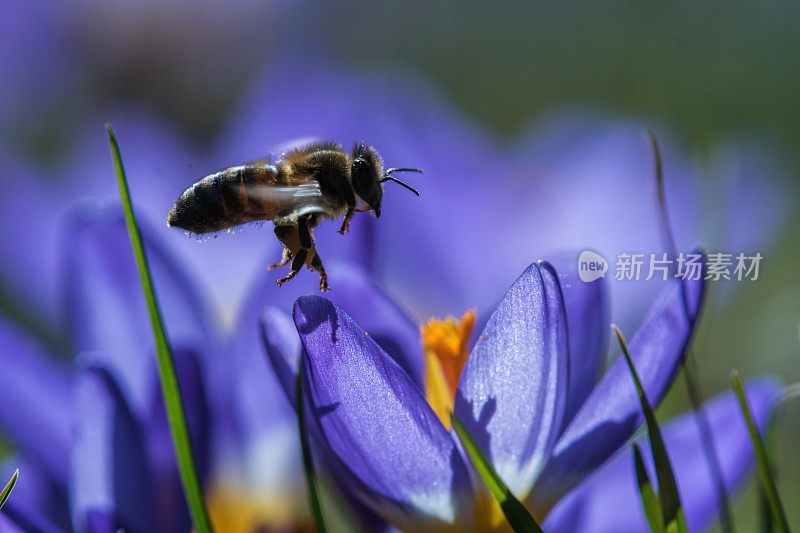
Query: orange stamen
x,y
445,344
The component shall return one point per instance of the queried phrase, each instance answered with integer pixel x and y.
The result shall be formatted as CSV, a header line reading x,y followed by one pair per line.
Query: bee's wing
x,y
290,200
279,151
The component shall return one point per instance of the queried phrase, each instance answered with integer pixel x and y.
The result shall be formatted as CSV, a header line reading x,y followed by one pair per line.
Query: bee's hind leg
x,y
316,264
297,264
292,236
307,242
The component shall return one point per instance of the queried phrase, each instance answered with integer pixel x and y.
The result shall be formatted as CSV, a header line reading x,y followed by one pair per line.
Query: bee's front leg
x,y
346,222
350,200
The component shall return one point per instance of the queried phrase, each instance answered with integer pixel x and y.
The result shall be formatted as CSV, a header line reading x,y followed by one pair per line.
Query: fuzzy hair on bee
x,y
296,192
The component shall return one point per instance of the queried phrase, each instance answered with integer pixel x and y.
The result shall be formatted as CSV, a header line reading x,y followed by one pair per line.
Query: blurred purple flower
x,y
528,395
604,501
588,175
95,439
34,59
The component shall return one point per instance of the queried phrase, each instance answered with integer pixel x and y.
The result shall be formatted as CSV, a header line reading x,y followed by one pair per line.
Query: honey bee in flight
x,y
305,186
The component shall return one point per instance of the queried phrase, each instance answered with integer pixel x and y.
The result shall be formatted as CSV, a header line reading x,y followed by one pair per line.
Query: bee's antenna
x,y
402,169
387,177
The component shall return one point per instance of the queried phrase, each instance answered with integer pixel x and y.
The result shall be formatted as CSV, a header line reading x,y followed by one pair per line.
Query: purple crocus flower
x,y
528,395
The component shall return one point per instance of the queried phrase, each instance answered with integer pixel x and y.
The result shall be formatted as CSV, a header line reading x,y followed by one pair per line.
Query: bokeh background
x,y
705,71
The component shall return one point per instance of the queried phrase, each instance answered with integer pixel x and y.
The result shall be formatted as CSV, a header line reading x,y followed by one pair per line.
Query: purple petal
x,y
354,290
35,402
284,350
588,323
172,512
380,316
370,307
105,306
512,392
608,501
400,458
110,473
611,413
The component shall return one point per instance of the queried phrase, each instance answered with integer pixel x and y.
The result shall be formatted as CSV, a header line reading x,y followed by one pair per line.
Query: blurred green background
x,y
708,70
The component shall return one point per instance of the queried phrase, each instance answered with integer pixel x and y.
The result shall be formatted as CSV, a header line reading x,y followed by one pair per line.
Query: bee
x,y
302,188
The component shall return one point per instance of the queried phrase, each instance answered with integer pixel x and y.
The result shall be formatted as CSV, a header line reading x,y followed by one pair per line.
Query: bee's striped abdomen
x,y
221,201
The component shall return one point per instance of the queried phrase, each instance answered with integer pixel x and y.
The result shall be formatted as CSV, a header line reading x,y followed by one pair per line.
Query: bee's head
x,y
366,171
367,176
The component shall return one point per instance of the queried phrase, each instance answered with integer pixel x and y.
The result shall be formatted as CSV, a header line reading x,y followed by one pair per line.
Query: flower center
x,y
445,344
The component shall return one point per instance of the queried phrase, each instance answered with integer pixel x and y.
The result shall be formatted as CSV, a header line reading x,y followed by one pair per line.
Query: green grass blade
x,y
765,521
516,514
689,367
650,503
6,492
765,477
308,459
166,365
674,518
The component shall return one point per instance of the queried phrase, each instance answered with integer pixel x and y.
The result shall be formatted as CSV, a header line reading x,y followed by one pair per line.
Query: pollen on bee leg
x,y
445,344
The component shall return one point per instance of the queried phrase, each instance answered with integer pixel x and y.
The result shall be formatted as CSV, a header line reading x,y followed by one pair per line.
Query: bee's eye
x,y
363,178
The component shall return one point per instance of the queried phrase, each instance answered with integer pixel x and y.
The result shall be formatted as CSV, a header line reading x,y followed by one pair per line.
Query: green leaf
x,y
308,459
650,503
166,365
674,518
516,514
767,481
6,492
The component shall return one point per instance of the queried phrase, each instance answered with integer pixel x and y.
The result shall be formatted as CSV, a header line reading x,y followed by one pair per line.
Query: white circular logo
x,y
591,266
